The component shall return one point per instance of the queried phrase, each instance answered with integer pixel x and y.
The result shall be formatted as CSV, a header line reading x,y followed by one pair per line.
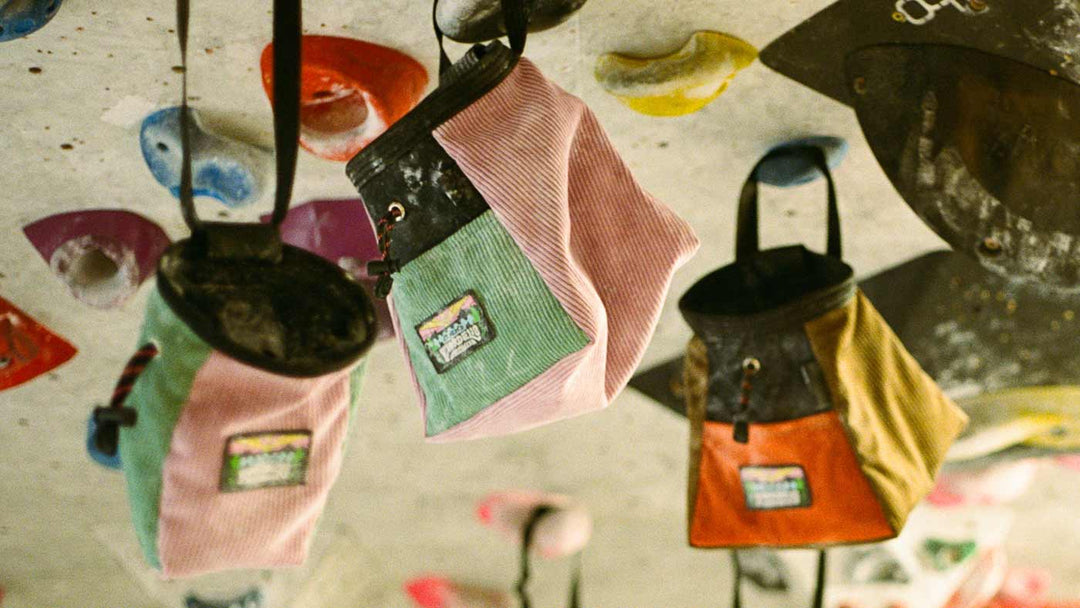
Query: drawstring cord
x,y
386,267
110,419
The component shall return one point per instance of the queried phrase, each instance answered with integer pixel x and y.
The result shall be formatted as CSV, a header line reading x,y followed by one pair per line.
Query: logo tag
x,y
263,460
455,332
770,488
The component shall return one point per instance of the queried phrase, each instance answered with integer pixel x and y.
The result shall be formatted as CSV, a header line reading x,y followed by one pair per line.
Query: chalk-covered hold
x,y
680,83
231,171
481,20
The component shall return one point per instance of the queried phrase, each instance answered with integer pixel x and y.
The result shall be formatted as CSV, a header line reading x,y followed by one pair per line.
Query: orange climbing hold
x,y
351,91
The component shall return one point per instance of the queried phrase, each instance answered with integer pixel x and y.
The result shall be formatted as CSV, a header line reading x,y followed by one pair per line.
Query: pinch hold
x,y
680,83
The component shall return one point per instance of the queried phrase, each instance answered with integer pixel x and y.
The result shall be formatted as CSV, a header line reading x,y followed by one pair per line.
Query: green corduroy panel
x,y
158,396
531,330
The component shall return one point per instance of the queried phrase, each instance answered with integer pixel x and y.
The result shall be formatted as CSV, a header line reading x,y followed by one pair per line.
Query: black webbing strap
x,y
819,591
526,545
515,17
287,37
746,238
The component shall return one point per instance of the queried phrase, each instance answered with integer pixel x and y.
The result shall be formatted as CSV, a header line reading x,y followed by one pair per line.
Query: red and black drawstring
x,y
110,419
386,267
751,367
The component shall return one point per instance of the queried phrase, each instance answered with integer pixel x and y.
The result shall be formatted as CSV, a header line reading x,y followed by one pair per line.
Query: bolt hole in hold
x,y
102,255
97,271
351,91
162,146
991,246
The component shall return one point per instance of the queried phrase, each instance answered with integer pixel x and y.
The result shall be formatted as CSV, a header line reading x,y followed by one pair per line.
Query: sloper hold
x,y
680,83
351,91
233,172
482,20
1041,33
20,18
983,148
340,231
27,348
102,255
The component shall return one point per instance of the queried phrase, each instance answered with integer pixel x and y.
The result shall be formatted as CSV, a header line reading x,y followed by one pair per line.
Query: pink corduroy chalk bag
x,y
232,416
512,237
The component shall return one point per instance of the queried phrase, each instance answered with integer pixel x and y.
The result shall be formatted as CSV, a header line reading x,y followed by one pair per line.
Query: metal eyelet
x,y
751,366
397,210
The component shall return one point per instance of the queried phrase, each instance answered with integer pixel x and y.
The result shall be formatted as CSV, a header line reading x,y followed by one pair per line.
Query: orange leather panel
x,y
843,507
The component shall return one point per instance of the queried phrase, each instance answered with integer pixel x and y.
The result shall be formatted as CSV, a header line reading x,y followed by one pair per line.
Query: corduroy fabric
x,y
843,508
532,332
158,396
900,423
604,247
203,529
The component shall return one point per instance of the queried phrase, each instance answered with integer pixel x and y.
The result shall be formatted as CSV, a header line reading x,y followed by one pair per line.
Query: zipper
x,y
741,420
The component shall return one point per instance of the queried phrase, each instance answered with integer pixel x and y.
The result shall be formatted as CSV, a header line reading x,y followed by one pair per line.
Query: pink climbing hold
x,y
351,91
999,484
564,531
102,255
440,592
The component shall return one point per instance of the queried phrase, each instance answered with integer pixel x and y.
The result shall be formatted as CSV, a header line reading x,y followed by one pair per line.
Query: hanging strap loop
x,y
819,591
747,239
287,43
515,14
526,545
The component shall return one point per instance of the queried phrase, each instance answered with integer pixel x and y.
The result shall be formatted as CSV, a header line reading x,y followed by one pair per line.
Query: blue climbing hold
x,y
233,172
20,18
109,462
787,171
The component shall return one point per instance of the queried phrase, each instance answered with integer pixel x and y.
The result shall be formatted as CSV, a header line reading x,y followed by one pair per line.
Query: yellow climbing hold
x,y
680,83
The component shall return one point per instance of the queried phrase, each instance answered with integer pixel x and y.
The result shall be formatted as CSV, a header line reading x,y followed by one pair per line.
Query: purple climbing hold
x,y
340,231
20,18
103,255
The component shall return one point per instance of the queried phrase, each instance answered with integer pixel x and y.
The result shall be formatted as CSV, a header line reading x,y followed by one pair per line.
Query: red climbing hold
x,y
351,91
27,348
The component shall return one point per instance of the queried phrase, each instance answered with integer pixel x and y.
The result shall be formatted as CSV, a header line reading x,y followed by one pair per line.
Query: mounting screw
x,y
991,246
978,5
860,85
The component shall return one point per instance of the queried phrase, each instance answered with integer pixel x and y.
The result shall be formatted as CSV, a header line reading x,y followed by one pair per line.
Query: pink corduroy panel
x,y
202,529
604,246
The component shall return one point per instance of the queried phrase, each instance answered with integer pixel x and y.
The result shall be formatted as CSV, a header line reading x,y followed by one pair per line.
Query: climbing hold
x,y
788,170
27,348
251,599
20,18
481,20
680,83
228,170
564,531
441,592
351,91
340,231
109,462
103,255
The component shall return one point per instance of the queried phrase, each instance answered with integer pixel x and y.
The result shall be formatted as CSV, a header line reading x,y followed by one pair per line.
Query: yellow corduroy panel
x,y
899,421
696,390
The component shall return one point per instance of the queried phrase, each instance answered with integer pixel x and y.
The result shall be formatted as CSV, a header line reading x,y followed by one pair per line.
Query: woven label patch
x,y
781,487
455,332
263,460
